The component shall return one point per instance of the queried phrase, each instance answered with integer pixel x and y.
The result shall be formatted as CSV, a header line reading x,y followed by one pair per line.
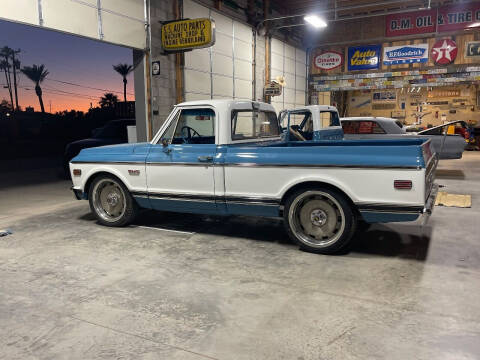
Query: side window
x,y
168,134
251,124
350,127
329,118
192,126
369,127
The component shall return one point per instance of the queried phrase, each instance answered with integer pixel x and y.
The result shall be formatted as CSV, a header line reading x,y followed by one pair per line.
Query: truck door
x,y
180,167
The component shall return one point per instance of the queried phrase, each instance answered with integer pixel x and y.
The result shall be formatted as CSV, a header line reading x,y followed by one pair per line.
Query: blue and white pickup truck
x,y
228,157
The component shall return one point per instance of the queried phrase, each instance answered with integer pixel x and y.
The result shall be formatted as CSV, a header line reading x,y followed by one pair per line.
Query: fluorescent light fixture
x,y
315,21
474,25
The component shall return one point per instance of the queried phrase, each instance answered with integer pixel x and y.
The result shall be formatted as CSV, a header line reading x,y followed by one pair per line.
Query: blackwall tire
x,y
319,220
111,202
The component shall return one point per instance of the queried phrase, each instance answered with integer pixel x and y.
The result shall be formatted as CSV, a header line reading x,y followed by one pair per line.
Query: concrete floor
x,y
236,289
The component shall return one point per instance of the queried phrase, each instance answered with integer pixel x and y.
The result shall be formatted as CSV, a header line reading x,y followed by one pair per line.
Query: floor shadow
x,y
395,240
449,174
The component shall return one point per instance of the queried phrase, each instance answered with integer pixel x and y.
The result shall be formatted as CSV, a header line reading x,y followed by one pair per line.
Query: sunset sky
x,y
86,63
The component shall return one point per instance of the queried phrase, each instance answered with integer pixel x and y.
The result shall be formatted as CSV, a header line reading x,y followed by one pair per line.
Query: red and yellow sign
x,y
188,34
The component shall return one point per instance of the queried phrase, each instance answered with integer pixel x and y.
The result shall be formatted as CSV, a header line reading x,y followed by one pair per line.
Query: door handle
x,y
205,158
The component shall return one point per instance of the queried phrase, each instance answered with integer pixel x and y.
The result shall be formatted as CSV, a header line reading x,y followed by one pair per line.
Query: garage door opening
x,y
59,93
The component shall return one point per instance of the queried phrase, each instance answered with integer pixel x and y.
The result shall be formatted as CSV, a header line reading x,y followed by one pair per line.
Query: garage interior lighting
x,y
315,21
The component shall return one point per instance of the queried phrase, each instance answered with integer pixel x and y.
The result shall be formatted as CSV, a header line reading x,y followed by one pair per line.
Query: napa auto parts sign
x,y
328,60
445,18
405,54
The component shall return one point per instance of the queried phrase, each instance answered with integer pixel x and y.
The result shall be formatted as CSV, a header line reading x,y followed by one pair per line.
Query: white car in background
x,y
447,146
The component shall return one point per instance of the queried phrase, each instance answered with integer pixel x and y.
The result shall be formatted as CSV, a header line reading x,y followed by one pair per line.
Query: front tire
x,y
111,201
319,220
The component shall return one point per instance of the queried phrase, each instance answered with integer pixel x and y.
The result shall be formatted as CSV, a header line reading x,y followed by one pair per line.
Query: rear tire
x,y
319,220
111,202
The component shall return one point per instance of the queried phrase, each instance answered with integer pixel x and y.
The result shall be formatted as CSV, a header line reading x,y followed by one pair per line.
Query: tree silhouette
x,y
37,73
124,70
6,66
108,101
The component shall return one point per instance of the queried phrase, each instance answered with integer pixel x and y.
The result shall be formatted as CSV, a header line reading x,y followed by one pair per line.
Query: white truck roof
x,y
227,104
313,108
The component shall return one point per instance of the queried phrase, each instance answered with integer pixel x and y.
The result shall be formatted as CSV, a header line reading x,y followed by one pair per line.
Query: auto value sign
x,y
188,34
364,57
328,60
405,54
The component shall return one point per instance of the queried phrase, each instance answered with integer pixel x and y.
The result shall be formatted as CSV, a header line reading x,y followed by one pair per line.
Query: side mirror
x,y
164,143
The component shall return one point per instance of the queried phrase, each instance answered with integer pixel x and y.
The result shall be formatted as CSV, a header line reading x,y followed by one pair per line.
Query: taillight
x,y
77,172
402,184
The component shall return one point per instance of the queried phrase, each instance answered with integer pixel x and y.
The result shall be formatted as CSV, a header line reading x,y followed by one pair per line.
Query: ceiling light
x,y
474,25
315,21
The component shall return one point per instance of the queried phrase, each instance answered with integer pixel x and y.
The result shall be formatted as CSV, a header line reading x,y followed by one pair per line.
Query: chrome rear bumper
x,y
429,204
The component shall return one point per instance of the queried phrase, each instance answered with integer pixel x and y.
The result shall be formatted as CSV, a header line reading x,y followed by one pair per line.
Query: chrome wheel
x,y
109,200
316,219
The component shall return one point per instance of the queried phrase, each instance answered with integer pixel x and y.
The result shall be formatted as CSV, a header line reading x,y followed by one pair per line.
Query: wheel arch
x,y
311,184
93,176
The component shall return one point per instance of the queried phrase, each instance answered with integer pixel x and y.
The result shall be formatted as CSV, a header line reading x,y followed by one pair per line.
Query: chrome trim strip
x,y
414,167
389,208
247,200
311,166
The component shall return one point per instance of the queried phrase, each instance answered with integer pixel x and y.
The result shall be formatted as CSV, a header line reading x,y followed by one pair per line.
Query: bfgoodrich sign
x,y
405,54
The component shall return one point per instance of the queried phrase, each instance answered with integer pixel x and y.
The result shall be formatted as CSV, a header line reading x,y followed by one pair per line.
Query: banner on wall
x,y
405,54
364,57
412,23
445,18
458,17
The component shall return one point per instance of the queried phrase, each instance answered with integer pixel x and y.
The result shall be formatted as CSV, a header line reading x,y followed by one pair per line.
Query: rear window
x,y
252,124
361,127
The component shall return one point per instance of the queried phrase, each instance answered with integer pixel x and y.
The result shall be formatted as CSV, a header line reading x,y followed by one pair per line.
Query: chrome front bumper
x,y
429,204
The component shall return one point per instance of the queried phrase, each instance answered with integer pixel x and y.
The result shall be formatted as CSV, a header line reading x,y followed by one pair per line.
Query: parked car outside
x,y
227,157
113,132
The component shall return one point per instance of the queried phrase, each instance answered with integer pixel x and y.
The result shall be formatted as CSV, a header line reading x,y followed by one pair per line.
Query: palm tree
x,y
16,67
108,100
36,74
5,66
124,70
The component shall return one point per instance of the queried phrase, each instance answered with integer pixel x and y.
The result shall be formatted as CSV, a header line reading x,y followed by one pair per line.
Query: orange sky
x,y
69,59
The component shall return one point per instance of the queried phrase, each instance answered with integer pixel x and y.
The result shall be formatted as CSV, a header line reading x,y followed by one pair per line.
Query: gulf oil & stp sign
x,y
328,60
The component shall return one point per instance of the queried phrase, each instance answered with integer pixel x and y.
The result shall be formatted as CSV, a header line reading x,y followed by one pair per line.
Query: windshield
x,y
253,124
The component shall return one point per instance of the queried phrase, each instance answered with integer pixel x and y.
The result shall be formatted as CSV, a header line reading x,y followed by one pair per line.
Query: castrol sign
x,y
328,60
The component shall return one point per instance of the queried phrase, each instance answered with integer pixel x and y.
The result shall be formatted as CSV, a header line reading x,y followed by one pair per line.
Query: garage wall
x,y
119,22
225,69
291,63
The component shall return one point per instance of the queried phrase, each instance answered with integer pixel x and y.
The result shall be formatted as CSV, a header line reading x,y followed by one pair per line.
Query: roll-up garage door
x,y
291,63
119,22
225,69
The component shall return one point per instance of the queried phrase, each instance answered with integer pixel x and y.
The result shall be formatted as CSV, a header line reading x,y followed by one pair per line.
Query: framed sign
x,y
472,49
155,68
364,57
328,60
405,54
184,35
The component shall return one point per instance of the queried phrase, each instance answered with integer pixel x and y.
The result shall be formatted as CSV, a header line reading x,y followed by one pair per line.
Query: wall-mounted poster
x,y
384,96
405,54
364,57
